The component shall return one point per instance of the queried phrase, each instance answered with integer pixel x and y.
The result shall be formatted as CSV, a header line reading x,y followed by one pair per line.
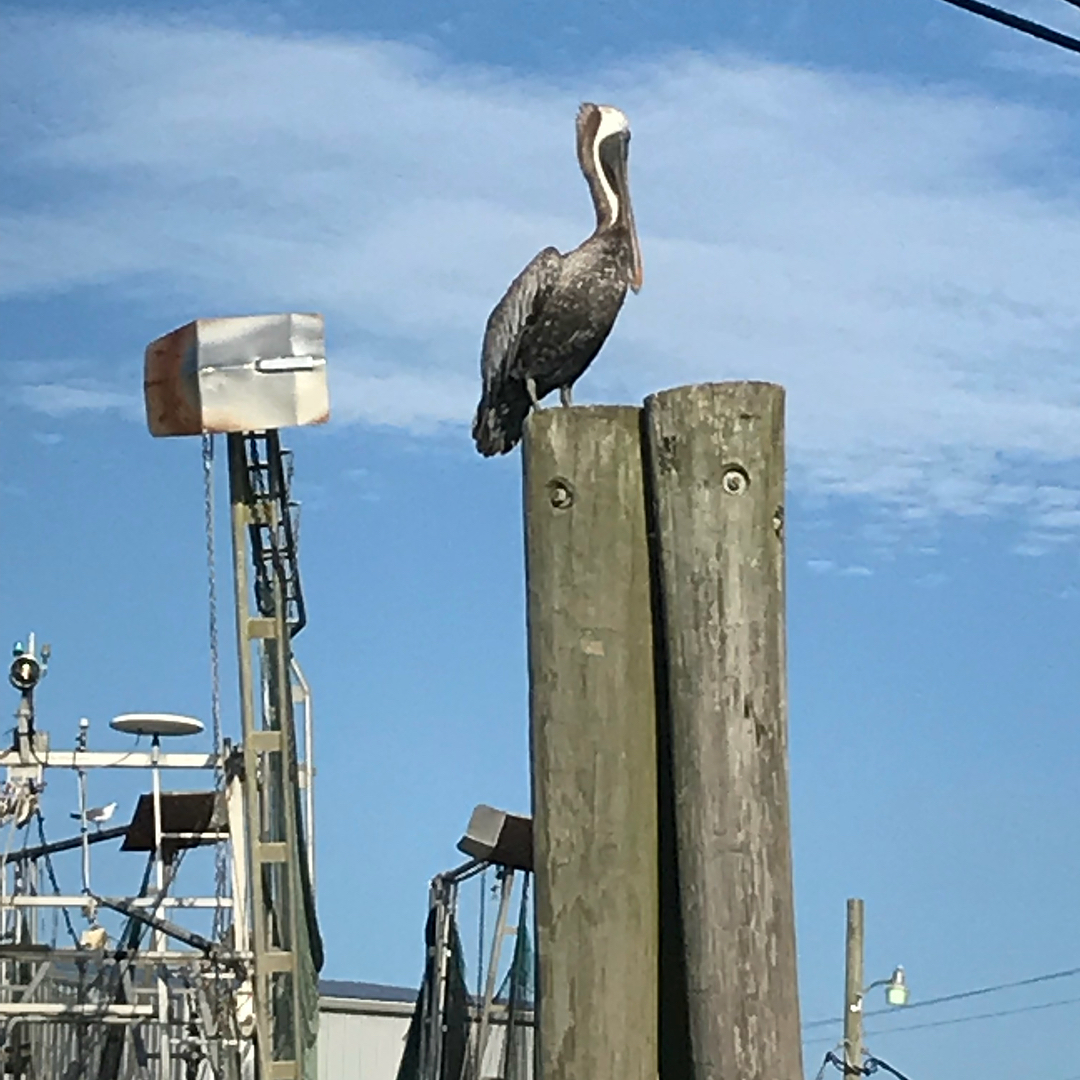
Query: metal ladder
x,y
269,612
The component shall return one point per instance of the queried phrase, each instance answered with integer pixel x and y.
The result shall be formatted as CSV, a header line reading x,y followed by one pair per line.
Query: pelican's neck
x,y
601,124
605,198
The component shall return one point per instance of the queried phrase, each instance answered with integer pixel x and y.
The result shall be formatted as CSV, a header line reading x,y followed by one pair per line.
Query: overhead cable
x,y
962,1019
978,1016
1018,22
1033,980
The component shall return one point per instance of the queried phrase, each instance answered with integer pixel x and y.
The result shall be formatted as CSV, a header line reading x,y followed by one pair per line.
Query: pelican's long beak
x,y
620,174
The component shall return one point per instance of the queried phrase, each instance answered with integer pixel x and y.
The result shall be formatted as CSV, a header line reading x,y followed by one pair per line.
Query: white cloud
x,y
903,260
402,399
827,566
63,398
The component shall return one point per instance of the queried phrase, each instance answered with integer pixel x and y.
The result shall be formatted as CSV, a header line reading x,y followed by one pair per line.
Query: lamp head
x,y
25,672
896,989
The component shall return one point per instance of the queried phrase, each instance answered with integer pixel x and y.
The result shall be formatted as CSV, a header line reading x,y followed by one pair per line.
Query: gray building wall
x,y
362,1031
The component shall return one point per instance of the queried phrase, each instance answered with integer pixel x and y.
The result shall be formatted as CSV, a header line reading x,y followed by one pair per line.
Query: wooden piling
x,y
593,744
716,481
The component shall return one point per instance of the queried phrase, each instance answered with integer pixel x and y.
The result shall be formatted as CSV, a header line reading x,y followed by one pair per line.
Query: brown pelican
x,y
559,310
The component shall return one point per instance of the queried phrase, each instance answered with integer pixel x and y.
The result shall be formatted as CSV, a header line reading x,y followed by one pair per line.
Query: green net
x,y
455,1034
520,997
310,949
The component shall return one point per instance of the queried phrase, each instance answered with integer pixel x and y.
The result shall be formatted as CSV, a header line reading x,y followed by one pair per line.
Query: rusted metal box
x,y
248,373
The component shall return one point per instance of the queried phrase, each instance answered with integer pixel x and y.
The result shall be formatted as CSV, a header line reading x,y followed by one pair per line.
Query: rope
x,y
52,877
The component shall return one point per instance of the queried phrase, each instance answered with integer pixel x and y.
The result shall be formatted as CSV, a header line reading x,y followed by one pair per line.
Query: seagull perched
x,y
98,815
559,310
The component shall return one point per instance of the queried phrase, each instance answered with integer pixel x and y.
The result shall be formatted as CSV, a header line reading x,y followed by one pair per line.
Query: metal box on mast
x,y
247,377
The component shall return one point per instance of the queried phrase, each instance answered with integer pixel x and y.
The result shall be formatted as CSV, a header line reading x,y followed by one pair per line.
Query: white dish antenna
x,y
157,724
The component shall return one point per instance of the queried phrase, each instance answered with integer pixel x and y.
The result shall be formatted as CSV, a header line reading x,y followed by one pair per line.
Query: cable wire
x,y
960,996
978,1016
875,1063
840,1064
52,877
1017,22
961,1019
829,1057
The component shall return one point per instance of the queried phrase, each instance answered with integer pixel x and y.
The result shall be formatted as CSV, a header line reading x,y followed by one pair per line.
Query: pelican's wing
x,y
517,310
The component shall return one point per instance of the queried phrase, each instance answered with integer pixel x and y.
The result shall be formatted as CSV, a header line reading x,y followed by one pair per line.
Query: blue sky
x,y
875,204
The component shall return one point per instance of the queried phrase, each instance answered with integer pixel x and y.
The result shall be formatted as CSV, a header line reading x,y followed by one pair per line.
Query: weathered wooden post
x,y
593,744
716,481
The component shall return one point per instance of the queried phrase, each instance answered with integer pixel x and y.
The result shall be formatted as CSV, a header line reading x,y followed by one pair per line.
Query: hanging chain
x,y
211,574
220,854
222,1006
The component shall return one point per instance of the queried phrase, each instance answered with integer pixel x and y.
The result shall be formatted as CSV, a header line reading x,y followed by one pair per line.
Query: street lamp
x,y
896,990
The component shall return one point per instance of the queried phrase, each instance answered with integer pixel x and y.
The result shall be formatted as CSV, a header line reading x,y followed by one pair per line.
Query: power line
x,y
962,995
1017,22
963,1019
979,1016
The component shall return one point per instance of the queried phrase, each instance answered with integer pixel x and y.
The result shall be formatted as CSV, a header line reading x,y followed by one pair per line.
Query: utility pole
x,y
853,990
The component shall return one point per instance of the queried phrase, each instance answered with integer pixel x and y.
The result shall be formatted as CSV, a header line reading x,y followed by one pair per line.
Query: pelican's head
x,y
603,145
